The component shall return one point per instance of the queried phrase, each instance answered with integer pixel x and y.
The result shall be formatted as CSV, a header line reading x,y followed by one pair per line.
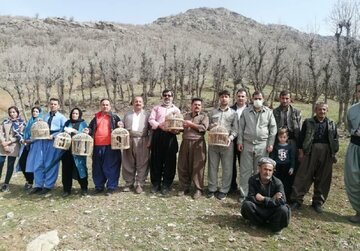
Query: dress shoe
x,y
65,194
44,191
317,207
221,196
355,218
98,190
154,189
35,190
165,190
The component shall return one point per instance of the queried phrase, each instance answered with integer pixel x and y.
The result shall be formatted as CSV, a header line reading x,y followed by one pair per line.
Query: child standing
x,y
284,156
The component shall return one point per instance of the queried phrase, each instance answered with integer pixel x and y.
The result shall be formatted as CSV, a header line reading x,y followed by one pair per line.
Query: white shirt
x,y
239,110
135,122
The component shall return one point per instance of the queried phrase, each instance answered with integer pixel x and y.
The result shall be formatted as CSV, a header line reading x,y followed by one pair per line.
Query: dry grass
x,y
126,221
145,222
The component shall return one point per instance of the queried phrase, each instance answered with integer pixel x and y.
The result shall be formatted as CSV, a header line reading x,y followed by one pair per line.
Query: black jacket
x,y
114,119
275,185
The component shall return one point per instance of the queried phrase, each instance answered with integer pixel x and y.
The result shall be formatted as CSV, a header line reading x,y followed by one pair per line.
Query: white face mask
x,y
258,103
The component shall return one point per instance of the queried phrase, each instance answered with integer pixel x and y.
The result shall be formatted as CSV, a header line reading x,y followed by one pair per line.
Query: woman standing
x,y
28,174
10,137
74,166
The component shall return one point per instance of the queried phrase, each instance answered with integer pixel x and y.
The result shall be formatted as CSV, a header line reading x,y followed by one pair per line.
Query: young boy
x,y
284,156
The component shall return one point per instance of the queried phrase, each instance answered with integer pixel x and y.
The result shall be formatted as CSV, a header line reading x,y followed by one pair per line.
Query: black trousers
x,y
70,172
29,177
282,172
276,218
164,147
236,162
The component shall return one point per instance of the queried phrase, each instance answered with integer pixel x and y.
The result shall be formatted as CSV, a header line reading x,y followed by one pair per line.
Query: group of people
x,y
274,156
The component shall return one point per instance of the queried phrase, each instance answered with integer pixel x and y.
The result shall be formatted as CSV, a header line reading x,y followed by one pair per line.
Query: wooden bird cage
x,y
218,136
40,130
62,141
174,121
120,139
82,144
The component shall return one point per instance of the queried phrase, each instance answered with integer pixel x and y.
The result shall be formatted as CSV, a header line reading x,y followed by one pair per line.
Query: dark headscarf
x,y
75,123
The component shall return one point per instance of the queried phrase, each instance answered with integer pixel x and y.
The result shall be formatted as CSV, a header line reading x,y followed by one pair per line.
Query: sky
x,y
304,15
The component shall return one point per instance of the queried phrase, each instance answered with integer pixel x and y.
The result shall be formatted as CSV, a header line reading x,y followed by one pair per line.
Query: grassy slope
x,y
132,222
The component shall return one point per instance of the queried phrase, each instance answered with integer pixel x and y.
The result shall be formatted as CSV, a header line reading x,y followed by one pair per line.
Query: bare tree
x,y
82,71
345,16
315,73
328,71
92,79
277,72
71,81
239,64
219,77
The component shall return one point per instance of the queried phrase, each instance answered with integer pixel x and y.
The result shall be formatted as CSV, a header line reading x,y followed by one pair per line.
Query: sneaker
x,y
210,195
138,189
44,191
126,189
27,186
84,192
221,196
295,206
197,194
5,188
317,207
109,192
155,189
35,190
277,232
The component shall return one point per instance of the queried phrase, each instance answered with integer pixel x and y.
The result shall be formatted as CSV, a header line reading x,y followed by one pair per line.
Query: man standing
x,y
289,118
164,146
47,155
257,131
136,159
318,144
352,161
106,162
239,106
192,155
265,202
226,117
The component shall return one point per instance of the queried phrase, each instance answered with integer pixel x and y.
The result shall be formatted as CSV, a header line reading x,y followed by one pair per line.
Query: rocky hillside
x,y
218,28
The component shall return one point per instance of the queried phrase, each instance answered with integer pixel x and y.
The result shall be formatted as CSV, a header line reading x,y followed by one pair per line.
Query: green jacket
x,y
309,126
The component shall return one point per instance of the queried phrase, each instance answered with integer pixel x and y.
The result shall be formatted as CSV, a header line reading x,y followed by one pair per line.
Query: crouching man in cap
x,y
265,203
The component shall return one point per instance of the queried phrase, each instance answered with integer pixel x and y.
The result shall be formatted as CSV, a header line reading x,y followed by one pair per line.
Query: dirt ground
x,y
127,221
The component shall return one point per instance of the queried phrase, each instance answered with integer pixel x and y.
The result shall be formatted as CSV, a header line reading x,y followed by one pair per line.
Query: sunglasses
x,y
167,95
